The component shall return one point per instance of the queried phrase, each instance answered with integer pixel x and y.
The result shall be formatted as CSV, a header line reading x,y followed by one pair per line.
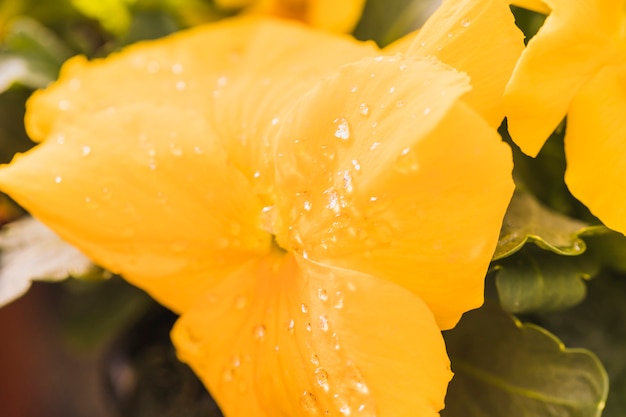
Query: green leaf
x,y
386,21
528,220
540,281
598,324
113,15
31,55
505,368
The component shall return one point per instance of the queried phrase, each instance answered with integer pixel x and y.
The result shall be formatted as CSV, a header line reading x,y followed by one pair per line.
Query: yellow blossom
x,y
576,66
336,16
315,209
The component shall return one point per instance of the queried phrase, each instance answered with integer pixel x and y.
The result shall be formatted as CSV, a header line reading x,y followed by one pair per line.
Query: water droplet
x,y
450,34
175,150
275,121
60,139
333,199
308,402
407,161
235,361
228,374
347,181
354,88
402,67
374,145
342,129
466,23
345,410
364,109
392,90
58,179
241,301
74,84
399,103
181,85
85,150
177,68
258,331
222,81
321,376
426,111
153,67
268,215
307,205
351,286
64,105
323,323
304,308
336,344
315,360
291,326
338,300
322,294
356,164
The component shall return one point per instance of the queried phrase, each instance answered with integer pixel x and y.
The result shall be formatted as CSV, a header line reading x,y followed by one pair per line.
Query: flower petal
x,y
595,148
382,169
577,38
287,336
147,192
480,38
253,69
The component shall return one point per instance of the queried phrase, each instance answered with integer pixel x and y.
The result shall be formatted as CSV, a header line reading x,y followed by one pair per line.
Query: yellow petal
x,y
479,38
382,169
577,38
146,191
595,148
290,337
253,69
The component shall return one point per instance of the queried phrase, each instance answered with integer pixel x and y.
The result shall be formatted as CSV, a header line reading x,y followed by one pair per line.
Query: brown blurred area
x,y
40,376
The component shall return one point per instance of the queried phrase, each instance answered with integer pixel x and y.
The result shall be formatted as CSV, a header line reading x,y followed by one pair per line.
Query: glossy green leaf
x,y
386,21
528,220
539,281
505,368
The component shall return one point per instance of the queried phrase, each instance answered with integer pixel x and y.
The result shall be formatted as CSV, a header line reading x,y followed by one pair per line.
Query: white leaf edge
x,y
30,251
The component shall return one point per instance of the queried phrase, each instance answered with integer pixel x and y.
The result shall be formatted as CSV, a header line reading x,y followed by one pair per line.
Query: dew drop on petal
x,y
338,300
426,111
58,179
466,23
180,85
345,410
241,301
323,323
342,129
322,294
304,308
407,161
308,402
321,376
364,109
258,331
291,326
315,360
85,150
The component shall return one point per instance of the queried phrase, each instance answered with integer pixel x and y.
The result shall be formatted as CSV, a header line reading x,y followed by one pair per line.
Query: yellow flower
x,y
336,16
576,66
315,209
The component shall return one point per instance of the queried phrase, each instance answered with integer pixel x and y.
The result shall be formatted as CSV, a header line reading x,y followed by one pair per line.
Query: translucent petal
x,y
595,148
382,169
146,191
479,38
287,336
577,38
